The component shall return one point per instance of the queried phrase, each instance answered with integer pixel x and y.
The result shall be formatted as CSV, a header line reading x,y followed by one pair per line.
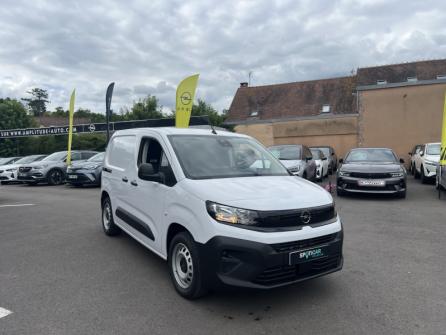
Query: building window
x,y
411,79
325,108
441,76
381,82
254,113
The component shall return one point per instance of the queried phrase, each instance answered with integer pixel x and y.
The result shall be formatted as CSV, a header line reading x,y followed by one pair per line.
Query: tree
x,y
146,108
202,108
13,116
37,103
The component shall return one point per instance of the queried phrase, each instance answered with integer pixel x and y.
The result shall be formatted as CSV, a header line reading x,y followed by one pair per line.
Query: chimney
x,y
244,84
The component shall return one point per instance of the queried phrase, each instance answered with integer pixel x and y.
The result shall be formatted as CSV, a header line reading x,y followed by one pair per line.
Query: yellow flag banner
x,y
443,137
70,126
185,100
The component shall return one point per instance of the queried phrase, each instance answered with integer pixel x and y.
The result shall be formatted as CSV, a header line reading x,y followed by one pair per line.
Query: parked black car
x,y
86,172
372,170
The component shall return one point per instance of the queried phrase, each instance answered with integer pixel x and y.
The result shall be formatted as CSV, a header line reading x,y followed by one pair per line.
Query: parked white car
x,y
426,161
8,173
321,163
219,208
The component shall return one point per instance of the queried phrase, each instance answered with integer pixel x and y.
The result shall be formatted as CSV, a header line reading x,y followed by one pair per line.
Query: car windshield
x,y
325,150
209,157
316,153
286,152
97,158
55,157
371,155
29,159
433,149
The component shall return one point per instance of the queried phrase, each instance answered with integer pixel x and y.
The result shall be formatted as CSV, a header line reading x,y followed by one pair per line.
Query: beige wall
x,y
401,117
263,132
340,133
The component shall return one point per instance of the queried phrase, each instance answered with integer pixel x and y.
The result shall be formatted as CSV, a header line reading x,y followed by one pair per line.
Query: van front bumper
x,y
243,263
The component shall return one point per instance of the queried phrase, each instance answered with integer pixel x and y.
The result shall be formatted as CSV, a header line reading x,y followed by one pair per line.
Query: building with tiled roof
x,y
397,106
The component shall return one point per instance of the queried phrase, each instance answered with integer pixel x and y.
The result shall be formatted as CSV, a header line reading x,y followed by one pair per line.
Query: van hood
x,y
260,193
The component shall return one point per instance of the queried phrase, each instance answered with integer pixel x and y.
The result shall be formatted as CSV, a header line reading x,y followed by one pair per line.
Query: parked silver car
x,y
52,169
297,159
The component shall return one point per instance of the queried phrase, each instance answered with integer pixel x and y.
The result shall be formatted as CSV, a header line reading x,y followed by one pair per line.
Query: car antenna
x,y
213,129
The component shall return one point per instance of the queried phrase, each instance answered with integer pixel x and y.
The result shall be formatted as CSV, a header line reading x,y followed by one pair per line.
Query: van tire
x,y
185,267
108,223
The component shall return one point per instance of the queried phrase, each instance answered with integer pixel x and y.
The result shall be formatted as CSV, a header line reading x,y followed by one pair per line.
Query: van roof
x,y
177,131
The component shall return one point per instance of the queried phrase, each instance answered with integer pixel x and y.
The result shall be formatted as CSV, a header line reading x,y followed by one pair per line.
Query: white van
x,y
219,208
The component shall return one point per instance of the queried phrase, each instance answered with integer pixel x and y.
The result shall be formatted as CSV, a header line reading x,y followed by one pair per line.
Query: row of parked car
x,y
86,168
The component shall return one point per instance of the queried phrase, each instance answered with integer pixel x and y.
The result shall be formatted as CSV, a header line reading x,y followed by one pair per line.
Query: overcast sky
x,y
147,47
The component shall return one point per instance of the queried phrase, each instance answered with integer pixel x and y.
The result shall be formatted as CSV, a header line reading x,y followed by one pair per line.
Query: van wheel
x,y
185,268
108,224
55,177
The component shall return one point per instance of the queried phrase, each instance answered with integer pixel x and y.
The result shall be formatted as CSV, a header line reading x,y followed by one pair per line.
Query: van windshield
x,y
209,157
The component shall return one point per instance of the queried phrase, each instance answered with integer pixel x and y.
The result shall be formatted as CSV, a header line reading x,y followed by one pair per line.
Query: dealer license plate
x,y
302,256
72,176
371,182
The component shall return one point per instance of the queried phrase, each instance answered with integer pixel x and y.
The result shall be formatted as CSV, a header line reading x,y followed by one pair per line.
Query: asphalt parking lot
x,y
59,274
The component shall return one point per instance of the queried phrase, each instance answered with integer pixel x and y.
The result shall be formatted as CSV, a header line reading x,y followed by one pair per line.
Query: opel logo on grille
x,y
305,217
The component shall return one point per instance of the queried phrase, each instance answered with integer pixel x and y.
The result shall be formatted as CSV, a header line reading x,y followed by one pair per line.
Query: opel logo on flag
x,y
92,127
305,217
186,98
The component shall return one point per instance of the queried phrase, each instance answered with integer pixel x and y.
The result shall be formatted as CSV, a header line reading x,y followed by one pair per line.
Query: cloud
x,y
147,47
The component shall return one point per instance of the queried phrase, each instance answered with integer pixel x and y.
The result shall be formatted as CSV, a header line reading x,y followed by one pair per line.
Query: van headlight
x,y
397,174
344,174
233,215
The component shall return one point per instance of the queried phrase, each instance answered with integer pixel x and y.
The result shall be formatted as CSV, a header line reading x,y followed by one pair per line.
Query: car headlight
x,y
40,167
397,174
233,215
295,168
344,174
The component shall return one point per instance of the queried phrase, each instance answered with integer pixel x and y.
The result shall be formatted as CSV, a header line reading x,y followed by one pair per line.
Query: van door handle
x,y
134,183
124,179
106,169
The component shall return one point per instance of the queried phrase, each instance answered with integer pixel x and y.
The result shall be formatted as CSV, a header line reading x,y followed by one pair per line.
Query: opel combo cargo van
x,y
220,208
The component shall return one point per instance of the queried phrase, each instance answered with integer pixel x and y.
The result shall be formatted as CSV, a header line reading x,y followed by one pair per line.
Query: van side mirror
x,y
341,161
147,172
401,161
421,153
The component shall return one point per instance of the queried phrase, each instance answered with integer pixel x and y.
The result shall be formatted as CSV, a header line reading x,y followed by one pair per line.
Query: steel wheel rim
x,y
106,216
182,265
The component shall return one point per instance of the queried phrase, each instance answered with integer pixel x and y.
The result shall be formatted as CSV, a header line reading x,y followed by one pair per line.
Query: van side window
x,y
122,151
151,152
